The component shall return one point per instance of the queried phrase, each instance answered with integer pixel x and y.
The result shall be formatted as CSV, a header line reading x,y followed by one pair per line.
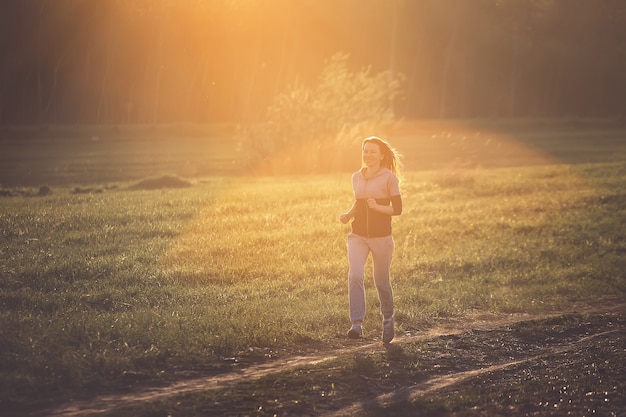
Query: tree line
x,y
213,61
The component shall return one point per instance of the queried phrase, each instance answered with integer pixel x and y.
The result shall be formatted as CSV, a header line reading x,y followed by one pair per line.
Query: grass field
x,y
87,155
113,281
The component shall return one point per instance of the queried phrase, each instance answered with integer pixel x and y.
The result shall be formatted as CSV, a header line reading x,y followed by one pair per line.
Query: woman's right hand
x,y
344,218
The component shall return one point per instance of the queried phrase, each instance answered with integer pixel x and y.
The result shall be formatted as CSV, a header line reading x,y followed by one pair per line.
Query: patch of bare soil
x,y
518,365
166,181
561,366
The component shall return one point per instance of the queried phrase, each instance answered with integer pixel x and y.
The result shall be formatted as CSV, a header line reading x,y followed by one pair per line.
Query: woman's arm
x,y
394,209
345,217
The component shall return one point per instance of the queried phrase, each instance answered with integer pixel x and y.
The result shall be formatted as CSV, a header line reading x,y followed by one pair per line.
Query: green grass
x,y
96,286
53,155
88,155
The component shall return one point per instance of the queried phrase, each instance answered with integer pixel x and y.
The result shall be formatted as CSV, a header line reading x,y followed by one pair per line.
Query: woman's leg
x,y
357,256
382,251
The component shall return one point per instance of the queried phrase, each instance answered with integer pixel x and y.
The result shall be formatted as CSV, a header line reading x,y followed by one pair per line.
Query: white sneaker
x,y
355,332
388,330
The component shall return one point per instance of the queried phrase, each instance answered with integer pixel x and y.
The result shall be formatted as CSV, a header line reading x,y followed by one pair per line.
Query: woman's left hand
x,y
371,203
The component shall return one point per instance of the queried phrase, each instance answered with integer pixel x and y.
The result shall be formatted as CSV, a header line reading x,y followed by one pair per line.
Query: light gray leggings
x,y
359,249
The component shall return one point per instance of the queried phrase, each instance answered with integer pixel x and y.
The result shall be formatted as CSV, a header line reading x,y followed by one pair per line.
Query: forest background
x,y
197,61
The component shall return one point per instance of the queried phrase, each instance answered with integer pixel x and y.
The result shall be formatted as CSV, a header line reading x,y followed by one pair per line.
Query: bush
x,y
307,130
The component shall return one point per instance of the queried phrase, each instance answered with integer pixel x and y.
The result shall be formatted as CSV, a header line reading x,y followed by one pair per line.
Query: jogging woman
x,y
377,194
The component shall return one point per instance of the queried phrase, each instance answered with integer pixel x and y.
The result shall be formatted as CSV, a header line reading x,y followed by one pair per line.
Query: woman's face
x,y
372,155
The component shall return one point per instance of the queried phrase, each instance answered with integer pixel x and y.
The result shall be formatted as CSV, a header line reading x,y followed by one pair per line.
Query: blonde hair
x,y
391,157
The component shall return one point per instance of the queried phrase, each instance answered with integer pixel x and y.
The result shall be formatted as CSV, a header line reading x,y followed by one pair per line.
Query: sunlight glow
x,y
244,233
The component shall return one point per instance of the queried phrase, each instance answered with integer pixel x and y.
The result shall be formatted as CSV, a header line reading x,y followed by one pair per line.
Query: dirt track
x,y
409,394
471,358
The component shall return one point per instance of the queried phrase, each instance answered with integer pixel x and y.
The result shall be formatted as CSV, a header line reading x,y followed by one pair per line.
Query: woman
x,y
377,193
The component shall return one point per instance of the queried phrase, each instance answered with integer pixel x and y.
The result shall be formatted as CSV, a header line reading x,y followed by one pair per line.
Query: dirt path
x,y
436,384
107,403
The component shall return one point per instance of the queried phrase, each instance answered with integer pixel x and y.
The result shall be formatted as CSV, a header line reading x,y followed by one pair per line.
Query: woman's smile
x,y
371,155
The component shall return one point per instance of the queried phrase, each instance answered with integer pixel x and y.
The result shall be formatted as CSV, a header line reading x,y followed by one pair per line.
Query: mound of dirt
x,y
43,191
165,181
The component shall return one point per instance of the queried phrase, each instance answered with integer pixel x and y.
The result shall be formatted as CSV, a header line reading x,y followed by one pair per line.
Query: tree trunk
x,y
392,52
513,76
103,88
446,71
157,90
38,110
53,89
417,67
